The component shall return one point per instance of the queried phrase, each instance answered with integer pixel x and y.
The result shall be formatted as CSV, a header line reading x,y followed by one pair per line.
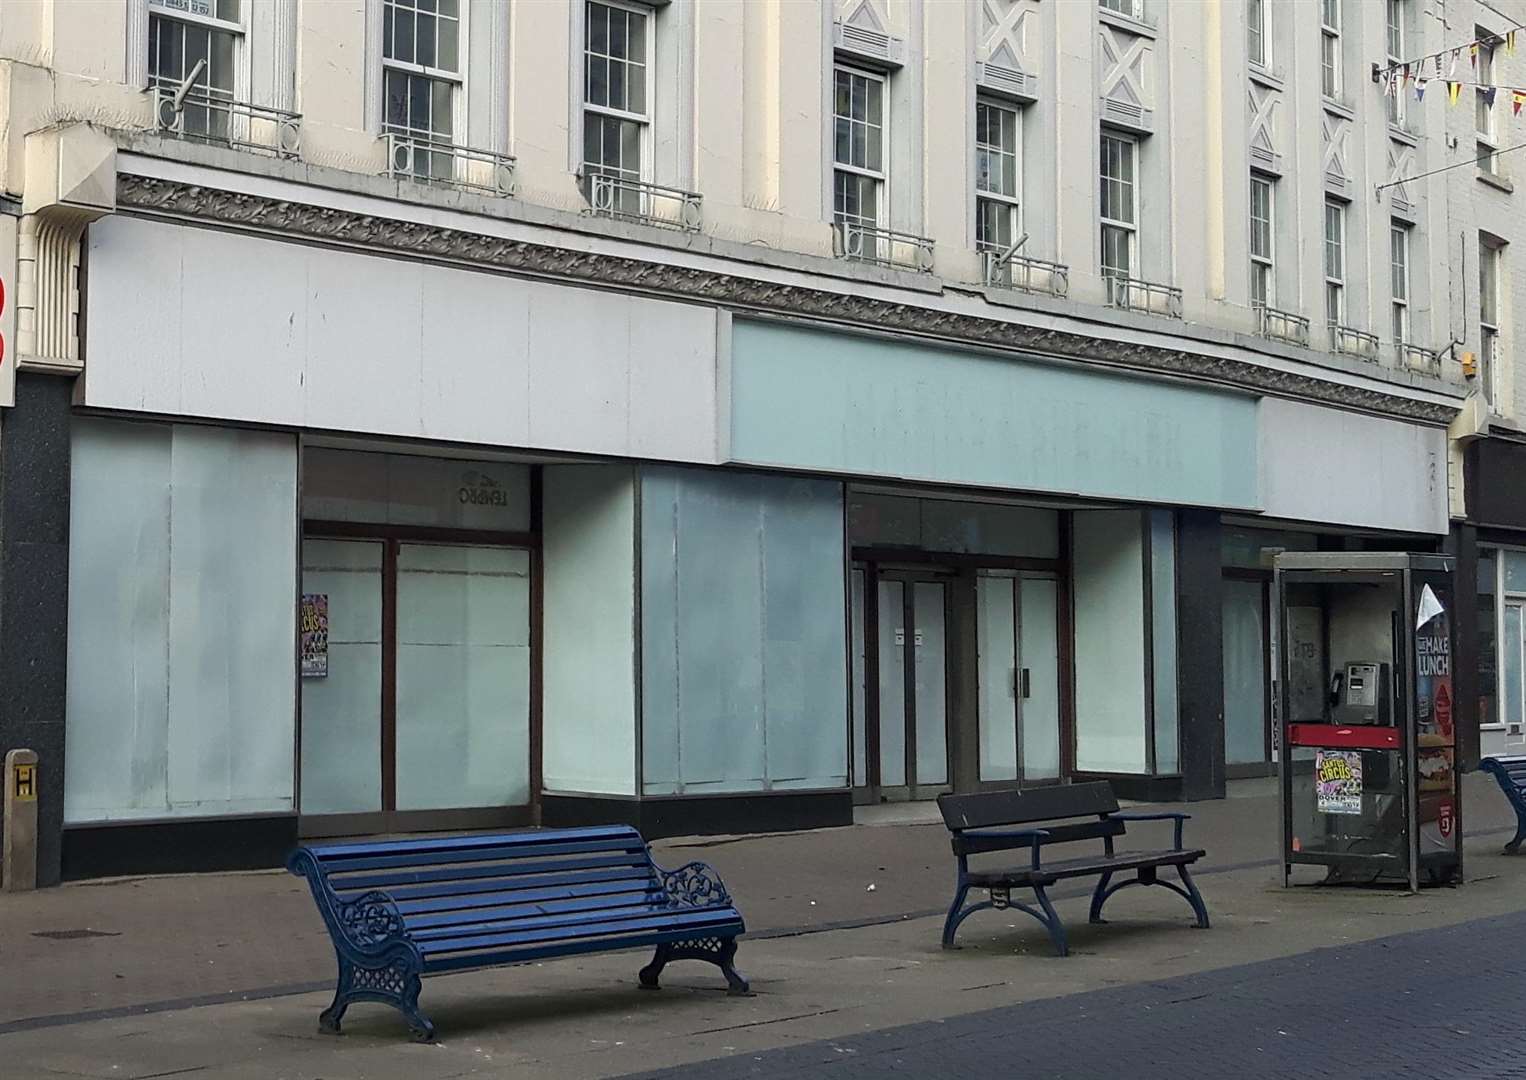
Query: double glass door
x,y
415,709
1019,682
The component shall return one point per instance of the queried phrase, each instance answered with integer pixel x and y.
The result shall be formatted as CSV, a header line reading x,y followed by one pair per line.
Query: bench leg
x,y
955,917
1520,834
1194,897
1051,921
718,951
1099,897
392,984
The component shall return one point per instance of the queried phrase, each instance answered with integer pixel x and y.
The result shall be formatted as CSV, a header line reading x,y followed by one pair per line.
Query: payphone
x,y
1361,694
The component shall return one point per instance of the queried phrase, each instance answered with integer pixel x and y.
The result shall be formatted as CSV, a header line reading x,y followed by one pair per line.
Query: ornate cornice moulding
x,y
341,227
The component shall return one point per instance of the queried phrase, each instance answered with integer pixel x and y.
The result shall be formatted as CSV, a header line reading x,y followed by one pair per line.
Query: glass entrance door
x,y
901,685
418,714
1247,741
1017,627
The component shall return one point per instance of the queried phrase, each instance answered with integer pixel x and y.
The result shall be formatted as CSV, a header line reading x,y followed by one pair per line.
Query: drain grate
x,y
73,935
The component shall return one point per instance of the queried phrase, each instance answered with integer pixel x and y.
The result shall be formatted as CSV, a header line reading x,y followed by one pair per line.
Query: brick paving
x,y
1434,1004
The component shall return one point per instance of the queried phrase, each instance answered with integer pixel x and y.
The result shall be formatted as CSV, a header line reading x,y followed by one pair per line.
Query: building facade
x,y
423,414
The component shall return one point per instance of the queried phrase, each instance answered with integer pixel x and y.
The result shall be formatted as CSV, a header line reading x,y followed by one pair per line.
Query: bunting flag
x,y
1453,90
1489,97
1517,98
1510,43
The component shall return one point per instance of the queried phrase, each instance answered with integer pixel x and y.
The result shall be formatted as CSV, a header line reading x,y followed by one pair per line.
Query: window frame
x,y
454,80
1012,205
1486,135
646,121
1490,255
1332,87
1129,9
1335,283
1395,38
1129,228
1256,26
879,178
1264,265
1400,263
236,31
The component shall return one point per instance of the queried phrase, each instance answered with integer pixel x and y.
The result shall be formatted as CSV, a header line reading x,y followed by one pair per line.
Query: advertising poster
x,y
1338,781
1435,736
314,624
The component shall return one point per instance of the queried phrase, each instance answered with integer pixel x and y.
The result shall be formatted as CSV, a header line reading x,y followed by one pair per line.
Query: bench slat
x,y
986,809
525,896
495,853
406,845
643,909
697,919
415,893
1088,866
440,963
447,875
509,912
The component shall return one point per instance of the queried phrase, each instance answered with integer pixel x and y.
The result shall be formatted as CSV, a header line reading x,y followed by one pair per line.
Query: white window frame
x,y
1264,264
1503,601
1485,116
645,120
880,176
1490,255
1258,43
1129,9
1400,260
1012,204
1129,228
1396,13
1335,277
1331,75
456,78
165,9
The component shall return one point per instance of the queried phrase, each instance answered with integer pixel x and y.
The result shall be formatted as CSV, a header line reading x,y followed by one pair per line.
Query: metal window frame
x,y
158,7
1269,260
1131,228
1013,204
648,63
184,18
443,74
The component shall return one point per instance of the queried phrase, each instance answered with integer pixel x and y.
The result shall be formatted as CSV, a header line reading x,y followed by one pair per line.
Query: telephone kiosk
x,y
1364,645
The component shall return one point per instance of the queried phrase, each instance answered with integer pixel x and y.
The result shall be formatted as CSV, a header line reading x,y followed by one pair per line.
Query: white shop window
x,y
182,571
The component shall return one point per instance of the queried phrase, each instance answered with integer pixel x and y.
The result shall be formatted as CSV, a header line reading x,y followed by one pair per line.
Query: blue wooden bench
x,y
982,823
1510,773
398,910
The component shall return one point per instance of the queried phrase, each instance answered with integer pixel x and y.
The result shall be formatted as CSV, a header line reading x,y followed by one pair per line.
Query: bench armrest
x,y
693,885
1030,838
1153,815
367,926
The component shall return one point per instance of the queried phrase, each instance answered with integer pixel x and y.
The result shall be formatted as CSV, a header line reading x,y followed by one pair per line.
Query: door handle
x,y
1027,688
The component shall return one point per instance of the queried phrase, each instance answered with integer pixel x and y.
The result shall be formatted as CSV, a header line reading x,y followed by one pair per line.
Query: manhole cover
x,y
71,935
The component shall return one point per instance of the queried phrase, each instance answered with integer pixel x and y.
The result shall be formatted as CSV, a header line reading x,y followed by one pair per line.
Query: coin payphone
x,y
1369,787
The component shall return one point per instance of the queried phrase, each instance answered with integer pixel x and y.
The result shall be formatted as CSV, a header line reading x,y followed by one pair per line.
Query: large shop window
x,y
744,648
182,575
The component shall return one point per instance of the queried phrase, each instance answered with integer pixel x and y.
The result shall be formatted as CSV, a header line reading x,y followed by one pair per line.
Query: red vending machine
x,y
1365,644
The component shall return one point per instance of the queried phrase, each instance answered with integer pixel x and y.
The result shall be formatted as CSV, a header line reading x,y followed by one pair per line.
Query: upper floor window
x,y
858,149
1330,48
1489,253
1335,262
617,97
1398,12
1483,103
1398,256
1262,263
998,218
1256,45
1134,9
1120,205
200,38
421,77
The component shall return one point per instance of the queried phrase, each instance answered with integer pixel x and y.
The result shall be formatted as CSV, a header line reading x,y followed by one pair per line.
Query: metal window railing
x,y
625,199
1282,325
883,247
1006,269
418,157
1137,294
1418,358
197,114
1353,342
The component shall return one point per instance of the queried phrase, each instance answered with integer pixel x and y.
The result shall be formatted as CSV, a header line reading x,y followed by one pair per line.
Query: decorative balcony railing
x,y
1353,342
1280,325
201,115
624,199
1007,269
1137,294
1418,358
412,156
883,247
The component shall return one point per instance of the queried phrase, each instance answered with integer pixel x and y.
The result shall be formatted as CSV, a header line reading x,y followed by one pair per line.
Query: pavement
x,y
224,975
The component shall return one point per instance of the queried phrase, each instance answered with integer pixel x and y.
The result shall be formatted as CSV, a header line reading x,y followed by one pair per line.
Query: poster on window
x,y
315,635
1338,781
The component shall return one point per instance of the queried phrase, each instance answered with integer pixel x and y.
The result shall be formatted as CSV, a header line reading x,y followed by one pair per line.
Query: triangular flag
x,y
1420,89
1515,102
1453,89
1489,96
